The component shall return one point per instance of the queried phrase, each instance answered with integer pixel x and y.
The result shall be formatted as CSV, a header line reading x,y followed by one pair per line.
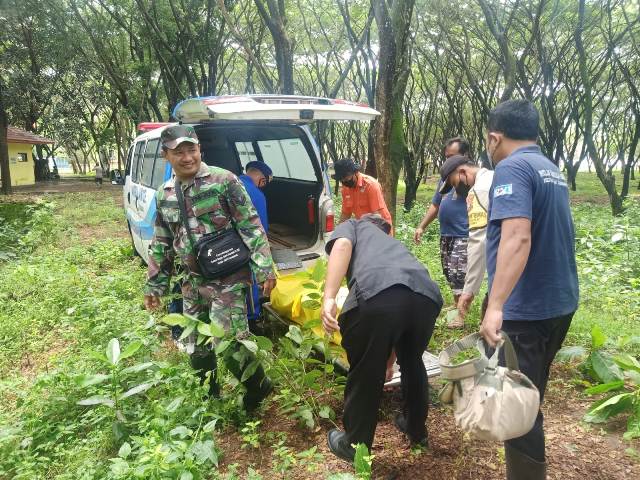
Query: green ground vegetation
x,y
69,285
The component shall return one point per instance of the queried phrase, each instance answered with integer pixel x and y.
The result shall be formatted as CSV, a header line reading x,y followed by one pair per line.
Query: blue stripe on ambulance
x,y
144,228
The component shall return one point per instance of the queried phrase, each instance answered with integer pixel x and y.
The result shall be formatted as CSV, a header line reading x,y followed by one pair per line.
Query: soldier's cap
x,y
449,167
344,167
174,135
263,167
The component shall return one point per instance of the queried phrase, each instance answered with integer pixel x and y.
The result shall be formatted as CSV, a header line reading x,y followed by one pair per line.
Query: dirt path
x,y
65,185
575,450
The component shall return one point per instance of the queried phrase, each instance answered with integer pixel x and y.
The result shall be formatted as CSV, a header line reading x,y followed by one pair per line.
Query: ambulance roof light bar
x,y
148,126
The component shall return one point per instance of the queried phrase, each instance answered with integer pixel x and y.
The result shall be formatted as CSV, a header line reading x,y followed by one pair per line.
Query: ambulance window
x,y
245,153
127,170
273,156
288,158
159,169
147,164
298,159
135,162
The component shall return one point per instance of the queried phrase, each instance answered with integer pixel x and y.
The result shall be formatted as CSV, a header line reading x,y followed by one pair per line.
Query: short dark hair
x,y
516,119
464,147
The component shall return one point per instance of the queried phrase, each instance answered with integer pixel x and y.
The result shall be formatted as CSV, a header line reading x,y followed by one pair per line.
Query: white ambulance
x,y
234,130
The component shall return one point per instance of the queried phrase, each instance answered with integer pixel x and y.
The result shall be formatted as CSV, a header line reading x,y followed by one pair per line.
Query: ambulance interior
x,y
293,194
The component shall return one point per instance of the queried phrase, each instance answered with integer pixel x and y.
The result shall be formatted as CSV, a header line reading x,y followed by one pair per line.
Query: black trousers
x,y
395,318
536,344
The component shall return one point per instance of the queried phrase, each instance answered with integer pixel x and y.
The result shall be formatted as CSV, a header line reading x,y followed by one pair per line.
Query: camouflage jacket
x,y
213,198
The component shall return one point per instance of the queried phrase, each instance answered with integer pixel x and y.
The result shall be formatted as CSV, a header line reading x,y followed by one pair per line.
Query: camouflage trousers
x,y
224,304
453,255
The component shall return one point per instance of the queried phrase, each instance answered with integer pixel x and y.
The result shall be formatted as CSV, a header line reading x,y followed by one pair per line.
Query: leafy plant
x,y
118,382
314,286
206,331
362,462
596,363
619,403
251,435
307,385
611,373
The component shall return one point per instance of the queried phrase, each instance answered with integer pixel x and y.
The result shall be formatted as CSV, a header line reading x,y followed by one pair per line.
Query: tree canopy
x,y
85,72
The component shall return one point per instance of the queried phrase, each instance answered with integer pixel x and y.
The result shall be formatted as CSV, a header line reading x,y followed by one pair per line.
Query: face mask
x,y
462,189
349,183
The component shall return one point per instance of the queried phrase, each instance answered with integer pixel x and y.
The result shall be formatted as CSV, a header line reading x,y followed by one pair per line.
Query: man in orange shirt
x,y
361,194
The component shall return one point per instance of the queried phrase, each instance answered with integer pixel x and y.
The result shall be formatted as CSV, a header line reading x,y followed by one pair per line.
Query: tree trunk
x,y
394,60
370,167
411,182
572,173
508,59
607,180
5,170
628,166
274,16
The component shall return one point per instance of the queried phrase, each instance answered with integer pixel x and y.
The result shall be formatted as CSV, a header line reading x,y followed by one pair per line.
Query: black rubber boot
x,y
203,363
400,421
523,467
258,385
339,445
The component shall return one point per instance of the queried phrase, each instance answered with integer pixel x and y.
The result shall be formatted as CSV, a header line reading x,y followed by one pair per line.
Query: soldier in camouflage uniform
x,y
214,197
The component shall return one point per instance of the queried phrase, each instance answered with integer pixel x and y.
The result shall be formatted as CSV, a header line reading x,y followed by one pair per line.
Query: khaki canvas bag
x,y
490,402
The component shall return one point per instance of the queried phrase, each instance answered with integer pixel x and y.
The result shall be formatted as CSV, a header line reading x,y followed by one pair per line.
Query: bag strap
x,y
510,356
183,210
471,368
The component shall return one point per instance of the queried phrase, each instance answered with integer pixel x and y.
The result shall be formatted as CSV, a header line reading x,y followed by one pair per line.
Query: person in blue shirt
x,y
533,281
257,177
451,211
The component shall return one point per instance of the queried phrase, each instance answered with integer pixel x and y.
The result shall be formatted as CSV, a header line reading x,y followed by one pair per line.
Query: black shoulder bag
x,y
218,254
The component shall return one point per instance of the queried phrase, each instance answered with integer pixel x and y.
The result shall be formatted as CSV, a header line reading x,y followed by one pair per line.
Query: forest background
x,y
84,73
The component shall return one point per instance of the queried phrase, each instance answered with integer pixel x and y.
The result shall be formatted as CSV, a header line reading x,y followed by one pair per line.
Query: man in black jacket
x,y
392,303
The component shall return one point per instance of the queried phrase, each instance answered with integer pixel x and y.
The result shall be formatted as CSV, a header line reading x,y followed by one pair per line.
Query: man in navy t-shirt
x,y
533,282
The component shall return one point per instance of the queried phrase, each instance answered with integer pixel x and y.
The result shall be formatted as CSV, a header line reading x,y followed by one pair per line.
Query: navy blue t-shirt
x,y
527,185
452,215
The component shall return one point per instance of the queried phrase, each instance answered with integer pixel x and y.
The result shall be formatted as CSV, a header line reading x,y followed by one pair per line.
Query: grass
x,y
13,217
72,284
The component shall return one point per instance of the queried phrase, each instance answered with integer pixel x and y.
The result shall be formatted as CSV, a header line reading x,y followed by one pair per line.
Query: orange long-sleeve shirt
x,y
365,197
